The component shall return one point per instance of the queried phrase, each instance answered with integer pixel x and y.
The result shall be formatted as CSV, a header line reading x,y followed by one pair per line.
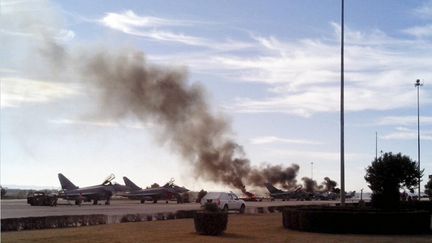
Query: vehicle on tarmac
x,y
226,201
40,198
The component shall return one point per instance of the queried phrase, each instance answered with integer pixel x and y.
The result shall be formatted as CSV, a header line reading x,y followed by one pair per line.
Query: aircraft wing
x,y
147,194
76,196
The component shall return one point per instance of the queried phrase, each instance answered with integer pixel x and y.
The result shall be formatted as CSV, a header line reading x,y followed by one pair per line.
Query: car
x,y
40,198
227,201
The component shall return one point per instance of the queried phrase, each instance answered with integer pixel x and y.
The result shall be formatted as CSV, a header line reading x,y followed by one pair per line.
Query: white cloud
x,y
407,134
273,139
129,19
130,23
83,122
424,11
102,123
314,155
304,75
20,91
153,28
37,20
420,31
404,120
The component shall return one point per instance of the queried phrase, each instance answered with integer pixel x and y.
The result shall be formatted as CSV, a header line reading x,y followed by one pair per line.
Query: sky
x,y
271,68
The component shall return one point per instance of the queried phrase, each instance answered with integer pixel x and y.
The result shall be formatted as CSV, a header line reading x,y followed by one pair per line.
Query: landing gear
x,y
95,202
154,201
78,202
142,201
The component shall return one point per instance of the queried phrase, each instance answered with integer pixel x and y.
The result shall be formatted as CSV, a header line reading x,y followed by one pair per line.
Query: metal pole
x,y
312,170
376,146
342,152
418,84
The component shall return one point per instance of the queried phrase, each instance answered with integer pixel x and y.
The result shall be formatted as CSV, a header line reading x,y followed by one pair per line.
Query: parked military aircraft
x,y
103,191
325,196
166,192
275,193
349,195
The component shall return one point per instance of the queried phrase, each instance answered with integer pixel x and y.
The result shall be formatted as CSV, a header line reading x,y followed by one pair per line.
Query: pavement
x,y
19,208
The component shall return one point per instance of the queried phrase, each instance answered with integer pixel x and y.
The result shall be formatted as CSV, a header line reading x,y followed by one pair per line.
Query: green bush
x,y
387,175
210,223
356,220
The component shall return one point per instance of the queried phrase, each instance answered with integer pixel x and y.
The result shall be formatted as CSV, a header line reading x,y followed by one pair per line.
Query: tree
x,y
428,188
387,175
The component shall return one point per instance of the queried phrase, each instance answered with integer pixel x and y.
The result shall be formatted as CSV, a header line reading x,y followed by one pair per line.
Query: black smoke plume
x,y
329,185
129,86
310,185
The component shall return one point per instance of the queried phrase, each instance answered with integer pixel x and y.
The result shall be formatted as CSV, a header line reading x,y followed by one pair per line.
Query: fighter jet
x,y
349,195
284,195
103,191
166,192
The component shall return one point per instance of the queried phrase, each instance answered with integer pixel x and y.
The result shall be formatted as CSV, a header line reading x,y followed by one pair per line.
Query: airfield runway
x,y
20,208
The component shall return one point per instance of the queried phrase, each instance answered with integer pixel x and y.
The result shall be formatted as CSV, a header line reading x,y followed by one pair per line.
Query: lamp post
x,y
376,146
417,85
342,142
312,170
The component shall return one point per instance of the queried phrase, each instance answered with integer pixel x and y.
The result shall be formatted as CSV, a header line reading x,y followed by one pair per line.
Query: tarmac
x,y
19,208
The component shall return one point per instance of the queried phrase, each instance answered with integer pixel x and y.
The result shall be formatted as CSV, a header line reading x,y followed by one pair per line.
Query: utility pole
x,y
312,170
417,85
376,146
342,142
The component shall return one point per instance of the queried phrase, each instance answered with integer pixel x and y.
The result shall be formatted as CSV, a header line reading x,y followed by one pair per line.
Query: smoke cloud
x,y
129,86
329,185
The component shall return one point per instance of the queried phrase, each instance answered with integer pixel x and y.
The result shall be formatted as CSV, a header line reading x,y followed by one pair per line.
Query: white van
x,y
225,201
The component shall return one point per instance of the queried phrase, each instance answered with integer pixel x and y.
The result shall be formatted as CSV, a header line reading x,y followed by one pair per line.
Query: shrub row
x,y
418,205
336,220
31,223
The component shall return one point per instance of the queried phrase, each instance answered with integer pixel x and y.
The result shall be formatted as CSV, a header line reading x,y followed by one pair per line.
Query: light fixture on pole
x,y
417,85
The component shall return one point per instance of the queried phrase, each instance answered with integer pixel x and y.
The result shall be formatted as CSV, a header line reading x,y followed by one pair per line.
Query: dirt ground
x,y
241,228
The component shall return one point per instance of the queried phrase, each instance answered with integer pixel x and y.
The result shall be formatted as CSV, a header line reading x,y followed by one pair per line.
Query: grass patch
x,y
241,228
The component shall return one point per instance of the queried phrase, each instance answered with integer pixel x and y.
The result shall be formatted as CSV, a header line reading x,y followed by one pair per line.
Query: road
x,y
20,208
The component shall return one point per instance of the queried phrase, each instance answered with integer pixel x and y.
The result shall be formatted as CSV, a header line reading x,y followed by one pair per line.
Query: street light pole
x,y
312,170
417,85
342,142
376,146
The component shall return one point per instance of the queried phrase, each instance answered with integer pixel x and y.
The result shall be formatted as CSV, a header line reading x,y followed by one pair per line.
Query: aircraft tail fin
x,y
271,188
66,183
130,184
